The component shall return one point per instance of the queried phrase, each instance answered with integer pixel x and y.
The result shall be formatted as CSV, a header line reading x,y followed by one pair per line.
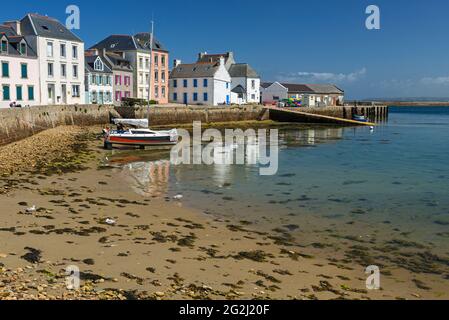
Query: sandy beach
x,y
61,207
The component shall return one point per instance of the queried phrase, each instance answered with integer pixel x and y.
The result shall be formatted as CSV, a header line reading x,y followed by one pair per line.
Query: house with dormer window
x,y
60,56
19,68
98,80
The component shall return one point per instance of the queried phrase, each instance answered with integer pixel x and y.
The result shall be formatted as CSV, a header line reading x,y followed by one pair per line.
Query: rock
x,y
159,294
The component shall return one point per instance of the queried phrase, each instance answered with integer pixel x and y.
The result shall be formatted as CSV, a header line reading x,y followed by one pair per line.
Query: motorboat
x,y
138,135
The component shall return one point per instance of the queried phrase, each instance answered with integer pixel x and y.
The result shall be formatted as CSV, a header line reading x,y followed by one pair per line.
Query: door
x,y
51,94
228,100
185,98
64,93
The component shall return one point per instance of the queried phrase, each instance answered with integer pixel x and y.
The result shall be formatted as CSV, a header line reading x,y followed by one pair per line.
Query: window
x,y
23,48
127,94
275,98
227,85
253,97
141,63
76,91
94,96
6,95
195,83
127,80
75,71
4,47
163,92
63,50
99,80
74,52
156,60
147,78
195,96
63,70
19,93
156,76
49,49
98,65
50,69
205,97
118,96
93,79
175,83
175,96
30,93
147,63
156,92
118,80
163,77
5,69
163,61
253,84
185,83
205,84
24,70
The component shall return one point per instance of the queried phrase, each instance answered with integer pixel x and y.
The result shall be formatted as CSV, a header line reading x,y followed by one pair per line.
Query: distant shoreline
x,y
414,103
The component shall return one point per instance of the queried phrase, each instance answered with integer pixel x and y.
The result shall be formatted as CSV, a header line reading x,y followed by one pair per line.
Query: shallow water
x,y
395,176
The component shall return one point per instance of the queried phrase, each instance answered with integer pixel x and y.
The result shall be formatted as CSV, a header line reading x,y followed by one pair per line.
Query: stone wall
x,y
20,123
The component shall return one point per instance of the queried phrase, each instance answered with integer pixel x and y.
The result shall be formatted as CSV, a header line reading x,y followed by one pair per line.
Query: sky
x,y
296,41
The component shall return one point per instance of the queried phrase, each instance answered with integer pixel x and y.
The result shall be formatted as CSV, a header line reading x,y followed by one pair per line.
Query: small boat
x,y
359,118
140,135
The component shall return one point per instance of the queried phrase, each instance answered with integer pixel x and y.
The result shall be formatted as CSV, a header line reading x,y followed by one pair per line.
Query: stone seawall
x,y
159,116
20,123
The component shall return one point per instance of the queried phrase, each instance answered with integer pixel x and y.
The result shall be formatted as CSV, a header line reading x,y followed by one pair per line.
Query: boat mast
x,y
151,63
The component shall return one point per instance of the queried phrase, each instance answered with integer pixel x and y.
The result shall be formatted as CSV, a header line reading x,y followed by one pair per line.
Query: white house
x,y
61,59
245,80
98,81
19,73
207,83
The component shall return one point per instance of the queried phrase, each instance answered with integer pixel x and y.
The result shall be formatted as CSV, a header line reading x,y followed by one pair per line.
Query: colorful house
x,y
98,80
19,73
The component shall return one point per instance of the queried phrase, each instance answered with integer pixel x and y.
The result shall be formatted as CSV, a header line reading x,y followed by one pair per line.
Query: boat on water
x,y
138,134
359,118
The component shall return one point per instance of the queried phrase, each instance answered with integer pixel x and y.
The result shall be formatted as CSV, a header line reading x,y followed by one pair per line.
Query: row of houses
x,y
44,63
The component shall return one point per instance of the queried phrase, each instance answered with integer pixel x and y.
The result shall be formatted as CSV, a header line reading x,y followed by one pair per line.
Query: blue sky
x,y
287,40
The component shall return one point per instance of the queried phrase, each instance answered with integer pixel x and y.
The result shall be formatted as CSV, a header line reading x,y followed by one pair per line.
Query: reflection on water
x,y
395,176
149,178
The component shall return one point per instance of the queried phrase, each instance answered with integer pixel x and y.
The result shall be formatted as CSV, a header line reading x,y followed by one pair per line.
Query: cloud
x,y
440,81
311,77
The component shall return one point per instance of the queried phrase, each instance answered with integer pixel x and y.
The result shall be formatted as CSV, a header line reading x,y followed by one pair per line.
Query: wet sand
x,y
157,248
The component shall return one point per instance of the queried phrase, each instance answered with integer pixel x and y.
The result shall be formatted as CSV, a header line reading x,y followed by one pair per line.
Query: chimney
x,y
15,25
176,63
222,61
201,55
104,52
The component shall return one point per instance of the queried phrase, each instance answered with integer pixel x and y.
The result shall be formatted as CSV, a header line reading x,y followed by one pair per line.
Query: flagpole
x,y
151,62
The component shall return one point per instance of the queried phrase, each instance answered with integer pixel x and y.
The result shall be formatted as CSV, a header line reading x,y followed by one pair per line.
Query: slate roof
x,y
89,64
239,89
242,70
325,88
140,41
117,62
14,41
43,26
265,84
195,70
297,88
205,57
